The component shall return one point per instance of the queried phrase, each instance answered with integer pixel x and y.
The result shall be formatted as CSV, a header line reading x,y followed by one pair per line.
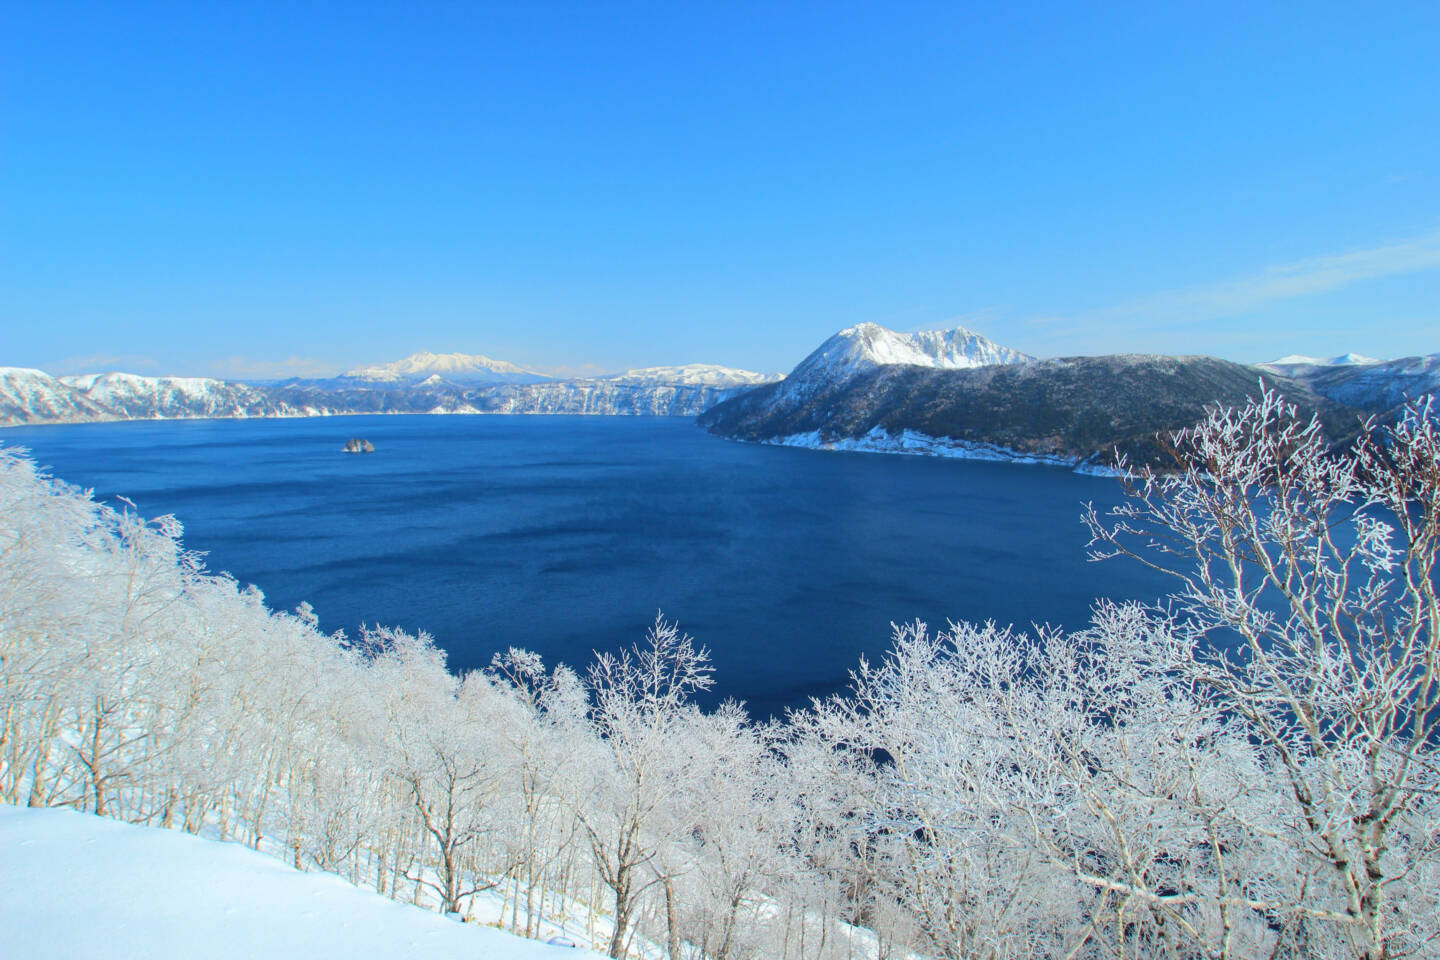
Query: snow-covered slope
x,y
453,367
867,346
1076,410
606,398
1357,381
1378,386
1298,365
1353,360
695,375
32,396
78,887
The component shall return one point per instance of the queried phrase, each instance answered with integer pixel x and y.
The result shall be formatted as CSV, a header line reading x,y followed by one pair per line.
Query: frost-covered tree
x,y
731,835
545,719
642,713
1307,579
440,750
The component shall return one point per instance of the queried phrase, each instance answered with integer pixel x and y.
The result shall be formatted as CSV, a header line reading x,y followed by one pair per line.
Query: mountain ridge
x,y
1379,386
954,393
454,367
867,346
1075,411
29,396
823,401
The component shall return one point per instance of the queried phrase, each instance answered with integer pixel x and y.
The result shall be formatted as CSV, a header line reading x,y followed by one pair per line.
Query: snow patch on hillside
x,y
76,886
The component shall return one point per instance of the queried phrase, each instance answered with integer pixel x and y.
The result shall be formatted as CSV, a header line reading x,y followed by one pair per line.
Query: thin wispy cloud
x,y
106,363
1303,278
573,370
245,368
1173,320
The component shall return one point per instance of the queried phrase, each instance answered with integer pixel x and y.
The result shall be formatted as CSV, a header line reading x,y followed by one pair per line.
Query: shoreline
x,y
913,443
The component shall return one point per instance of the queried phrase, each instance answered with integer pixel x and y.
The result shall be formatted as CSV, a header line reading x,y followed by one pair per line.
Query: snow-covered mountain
x,y
867,346
33,396
451,367
437,369
955,393
1075,411
808,401
694,374
1297,364
461,383
1379,386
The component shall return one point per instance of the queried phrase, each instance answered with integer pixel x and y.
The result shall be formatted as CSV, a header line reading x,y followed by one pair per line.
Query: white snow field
x,y
77,886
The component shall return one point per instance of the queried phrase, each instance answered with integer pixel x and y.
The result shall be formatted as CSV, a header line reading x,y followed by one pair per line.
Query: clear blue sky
x,y
263,188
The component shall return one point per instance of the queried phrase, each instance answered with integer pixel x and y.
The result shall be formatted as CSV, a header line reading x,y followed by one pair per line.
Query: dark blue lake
x,y
566,534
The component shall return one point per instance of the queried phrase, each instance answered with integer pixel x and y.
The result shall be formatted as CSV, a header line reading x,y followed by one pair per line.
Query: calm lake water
x,y
566,534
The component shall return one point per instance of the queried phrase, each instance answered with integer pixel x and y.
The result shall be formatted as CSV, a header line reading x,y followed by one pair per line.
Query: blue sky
x,y
260,189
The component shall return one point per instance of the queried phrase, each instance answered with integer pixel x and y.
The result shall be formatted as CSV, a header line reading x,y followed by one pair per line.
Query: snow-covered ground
x,y
910,442
77,886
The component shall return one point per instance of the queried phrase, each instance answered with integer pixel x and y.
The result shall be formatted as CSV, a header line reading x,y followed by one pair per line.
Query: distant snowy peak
x,y
1353,360
866,346
1375,386
455,367
694,374
1298,363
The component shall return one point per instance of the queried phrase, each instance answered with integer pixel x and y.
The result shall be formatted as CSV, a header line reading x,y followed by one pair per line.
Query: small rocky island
x,y
356,445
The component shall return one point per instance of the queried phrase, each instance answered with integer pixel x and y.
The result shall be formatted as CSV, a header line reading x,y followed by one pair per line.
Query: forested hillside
x,y
1072,410
1122,791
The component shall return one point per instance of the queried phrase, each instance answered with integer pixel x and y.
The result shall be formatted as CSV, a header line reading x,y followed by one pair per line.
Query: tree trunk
x,y
672,921
622,918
